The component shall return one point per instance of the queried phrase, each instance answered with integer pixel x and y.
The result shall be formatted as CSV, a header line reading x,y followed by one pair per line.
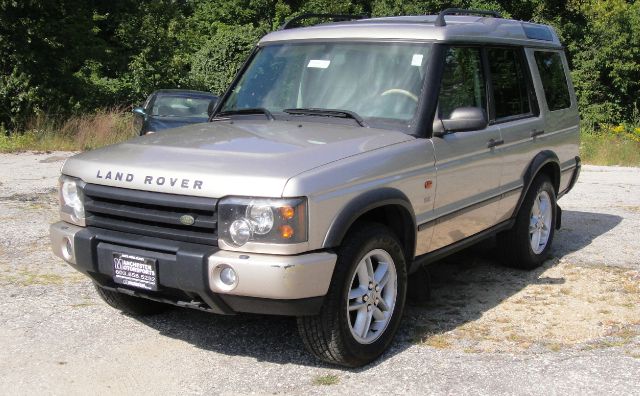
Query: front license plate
x,y
135,271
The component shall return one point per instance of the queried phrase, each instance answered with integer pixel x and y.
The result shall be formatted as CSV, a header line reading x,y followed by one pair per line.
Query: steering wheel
x,y
403,92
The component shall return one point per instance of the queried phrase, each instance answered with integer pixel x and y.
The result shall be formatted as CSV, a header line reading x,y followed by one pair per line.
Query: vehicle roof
x,y
472,29
186,92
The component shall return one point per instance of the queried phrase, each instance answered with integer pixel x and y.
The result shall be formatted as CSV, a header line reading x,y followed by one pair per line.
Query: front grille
x,y
152,214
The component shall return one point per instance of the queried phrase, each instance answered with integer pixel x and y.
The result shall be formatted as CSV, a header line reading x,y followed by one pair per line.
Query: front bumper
x,y
188,273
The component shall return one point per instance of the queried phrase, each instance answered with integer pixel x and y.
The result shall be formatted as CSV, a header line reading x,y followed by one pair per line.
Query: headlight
x,y
280,221
71,200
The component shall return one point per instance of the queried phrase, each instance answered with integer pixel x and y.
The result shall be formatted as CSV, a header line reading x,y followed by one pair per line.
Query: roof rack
x,y
460,11
292,23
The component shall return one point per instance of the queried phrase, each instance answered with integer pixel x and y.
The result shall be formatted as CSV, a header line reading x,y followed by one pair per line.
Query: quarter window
x,y
510,93
463,83
554,81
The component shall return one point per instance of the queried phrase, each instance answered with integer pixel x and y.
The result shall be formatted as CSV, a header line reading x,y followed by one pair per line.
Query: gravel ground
x,y
573,326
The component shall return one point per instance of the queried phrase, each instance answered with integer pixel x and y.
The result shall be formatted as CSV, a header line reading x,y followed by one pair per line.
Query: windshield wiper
x,y
328,113
253,110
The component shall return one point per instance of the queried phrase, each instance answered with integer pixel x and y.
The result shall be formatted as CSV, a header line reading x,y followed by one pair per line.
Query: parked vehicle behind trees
x,y
172,108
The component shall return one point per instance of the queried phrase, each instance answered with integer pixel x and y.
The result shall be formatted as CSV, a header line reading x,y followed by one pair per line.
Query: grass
x,y
29,278
78,133
609,149
326,380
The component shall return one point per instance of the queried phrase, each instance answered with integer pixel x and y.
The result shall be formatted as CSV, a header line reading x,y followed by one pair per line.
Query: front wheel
x,y
366,298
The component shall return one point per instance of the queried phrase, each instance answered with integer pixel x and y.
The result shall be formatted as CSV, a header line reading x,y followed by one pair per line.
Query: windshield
x,y
380,82
180,106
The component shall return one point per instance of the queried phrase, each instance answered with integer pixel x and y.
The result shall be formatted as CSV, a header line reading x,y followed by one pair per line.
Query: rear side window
x,y
554,80
510,93
463,83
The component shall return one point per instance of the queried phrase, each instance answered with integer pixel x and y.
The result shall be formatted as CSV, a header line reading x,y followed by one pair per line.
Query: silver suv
x,y
343,158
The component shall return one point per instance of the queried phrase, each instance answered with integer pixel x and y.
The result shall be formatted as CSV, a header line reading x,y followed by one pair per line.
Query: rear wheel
x,y
527,244
131,305
364,305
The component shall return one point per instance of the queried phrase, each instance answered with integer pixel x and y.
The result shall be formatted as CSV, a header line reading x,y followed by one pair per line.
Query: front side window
x,y
381,82
554,80
510,93
463,83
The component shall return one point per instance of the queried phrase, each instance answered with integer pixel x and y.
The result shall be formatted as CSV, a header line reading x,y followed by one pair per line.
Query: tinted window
x,y
463,83
554,81
510,92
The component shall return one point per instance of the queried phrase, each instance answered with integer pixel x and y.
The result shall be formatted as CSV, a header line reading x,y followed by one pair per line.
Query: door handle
x,y
535,133
493,143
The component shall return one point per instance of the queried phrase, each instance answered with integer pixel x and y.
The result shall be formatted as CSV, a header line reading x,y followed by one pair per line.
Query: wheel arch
x,y
545,162
387,206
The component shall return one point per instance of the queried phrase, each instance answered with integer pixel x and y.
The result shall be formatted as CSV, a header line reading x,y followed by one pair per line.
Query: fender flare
x,y
539,161
364,203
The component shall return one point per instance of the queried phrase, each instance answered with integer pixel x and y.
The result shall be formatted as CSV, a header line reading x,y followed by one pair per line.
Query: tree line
x,y
64,57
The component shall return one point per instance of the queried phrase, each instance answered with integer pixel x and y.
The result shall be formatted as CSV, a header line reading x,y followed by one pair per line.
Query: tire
x,y
518,243
135,306
341,336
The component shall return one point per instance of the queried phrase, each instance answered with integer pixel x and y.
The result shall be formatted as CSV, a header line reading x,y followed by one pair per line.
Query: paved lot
x,y
572,326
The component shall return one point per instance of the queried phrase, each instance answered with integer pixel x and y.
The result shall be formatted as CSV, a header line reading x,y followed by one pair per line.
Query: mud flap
x,y
419,290
558,217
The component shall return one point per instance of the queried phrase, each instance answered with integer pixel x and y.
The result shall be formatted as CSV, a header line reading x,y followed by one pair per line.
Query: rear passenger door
x,y
514,109
559,110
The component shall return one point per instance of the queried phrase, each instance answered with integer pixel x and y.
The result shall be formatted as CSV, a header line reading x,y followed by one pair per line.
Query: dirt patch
x,y
39,200
26,277
55,158
632,209
477,309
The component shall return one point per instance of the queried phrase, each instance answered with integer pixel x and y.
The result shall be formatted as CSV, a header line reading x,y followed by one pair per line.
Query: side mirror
x,y
465,119
212,106
139,111
138,119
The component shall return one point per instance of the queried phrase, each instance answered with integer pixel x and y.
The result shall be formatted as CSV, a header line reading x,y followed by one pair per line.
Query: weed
x,y
631,288
82,132
438,341
326,380
555,347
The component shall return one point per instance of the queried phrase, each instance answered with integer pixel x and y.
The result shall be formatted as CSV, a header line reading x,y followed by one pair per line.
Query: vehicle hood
x,y
157,123
250,158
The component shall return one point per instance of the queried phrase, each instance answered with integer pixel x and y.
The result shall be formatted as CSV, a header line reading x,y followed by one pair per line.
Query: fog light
x,y
228,276
67,249
224,278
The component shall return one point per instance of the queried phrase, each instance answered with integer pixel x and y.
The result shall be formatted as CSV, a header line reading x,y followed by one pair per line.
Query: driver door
x,y
467,164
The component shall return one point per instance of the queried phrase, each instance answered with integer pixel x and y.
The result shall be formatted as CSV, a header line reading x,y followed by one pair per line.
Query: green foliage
x,y
216,63
607,62
67,57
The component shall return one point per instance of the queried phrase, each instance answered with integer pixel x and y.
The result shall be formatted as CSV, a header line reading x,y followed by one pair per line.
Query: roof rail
x,y
291,23
460,11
